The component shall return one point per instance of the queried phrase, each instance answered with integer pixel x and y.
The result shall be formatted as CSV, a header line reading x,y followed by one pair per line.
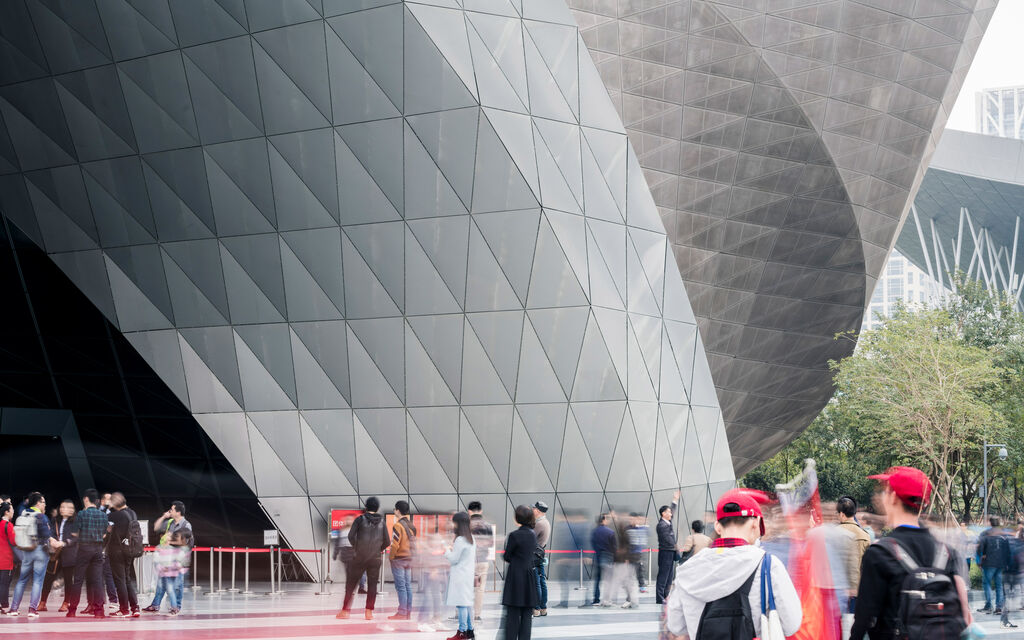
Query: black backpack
x,y
135,546
929,606
729,618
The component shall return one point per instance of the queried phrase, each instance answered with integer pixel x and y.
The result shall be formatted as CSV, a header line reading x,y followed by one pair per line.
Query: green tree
x,y
923,393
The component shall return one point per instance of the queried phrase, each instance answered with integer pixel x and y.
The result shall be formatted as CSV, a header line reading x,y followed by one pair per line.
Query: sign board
x,y
341,518
271,538
144,525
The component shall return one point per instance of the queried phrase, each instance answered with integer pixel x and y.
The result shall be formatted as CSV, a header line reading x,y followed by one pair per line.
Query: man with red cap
x,y
904,493
719,589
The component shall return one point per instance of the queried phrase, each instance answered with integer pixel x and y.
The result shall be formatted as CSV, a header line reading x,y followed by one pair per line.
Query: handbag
x,y
771,627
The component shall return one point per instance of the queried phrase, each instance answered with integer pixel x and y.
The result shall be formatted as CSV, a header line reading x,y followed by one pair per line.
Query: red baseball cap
x,y
749,503
910,485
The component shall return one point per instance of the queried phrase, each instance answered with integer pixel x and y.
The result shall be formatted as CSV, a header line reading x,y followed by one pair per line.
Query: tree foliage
x,y
926,388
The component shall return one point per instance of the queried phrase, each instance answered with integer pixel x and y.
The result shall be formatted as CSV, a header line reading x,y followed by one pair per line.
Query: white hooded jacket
x,y
717,572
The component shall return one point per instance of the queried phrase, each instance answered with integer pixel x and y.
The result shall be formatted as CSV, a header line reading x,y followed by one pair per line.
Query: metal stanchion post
x,y
211,592
581,568
650,554
220,570
280,570
192,568
272,591
233,556
324,560
247,592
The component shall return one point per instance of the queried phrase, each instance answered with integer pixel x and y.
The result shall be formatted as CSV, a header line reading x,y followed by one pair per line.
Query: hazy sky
x,y
998,63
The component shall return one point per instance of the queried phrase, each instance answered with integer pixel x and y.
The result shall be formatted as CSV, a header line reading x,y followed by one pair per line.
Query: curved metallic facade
x,y
783,142
376,248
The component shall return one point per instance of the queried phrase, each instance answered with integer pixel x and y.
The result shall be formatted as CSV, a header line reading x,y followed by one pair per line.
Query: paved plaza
x,y
300,614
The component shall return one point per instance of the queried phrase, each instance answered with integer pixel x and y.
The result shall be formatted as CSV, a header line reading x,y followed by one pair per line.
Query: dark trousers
x,y
641,572
666,573
602,563
518,623
88,569
124,582
5,588
358,567
108,579
542,587
66,572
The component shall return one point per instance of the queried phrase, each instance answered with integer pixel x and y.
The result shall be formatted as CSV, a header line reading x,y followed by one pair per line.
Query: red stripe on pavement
x,y
127,633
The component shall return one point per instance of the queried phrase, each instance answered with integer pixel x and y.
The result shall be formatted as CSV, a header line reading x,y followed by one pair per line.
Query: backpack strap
x,y
767,591
893,546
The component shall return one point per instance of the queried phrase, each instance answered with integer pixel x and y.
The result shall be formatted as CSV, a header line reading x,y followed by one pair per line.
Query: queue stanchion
x,y
212,591
325,559
246,591
280,570
220,570
234,555
272,591
195,580
581,569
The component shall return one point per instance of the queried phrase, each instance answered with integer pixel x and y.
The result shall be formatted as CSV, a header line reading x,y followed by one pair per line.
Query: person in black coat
x,y
520,594
62,563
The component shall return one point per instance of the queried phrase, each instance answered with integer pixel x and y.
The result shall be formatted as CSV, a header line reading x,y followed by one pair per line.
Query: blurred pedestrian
x,y
519,595
851,548
667,552
639,534
483,536
696,542
403,535
34,539
7,547
720,593
885,570
369,537
602,539
994,557
623,575
62,562
430,557
173,521
91,527
542,528
462,557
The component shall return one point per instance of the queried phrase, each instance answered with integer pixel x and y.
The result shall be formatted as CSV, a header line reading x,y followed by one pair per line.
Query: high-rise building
x,y
1000,112
901,281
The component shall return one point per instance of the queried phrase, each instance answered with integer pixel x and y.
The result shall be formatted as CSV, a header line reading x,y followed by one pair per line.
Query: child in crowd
x,y
170,563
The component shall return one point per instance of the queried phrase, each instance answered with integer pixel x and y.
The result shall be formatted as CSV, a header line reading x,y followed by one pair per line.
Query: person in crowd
x,y
173,521
34,560
519,594
108,574
369,537
851,547
727,579
602,539
121,517
7,546
483,536
638,540
696,542
91,527
542,528
432,564
623,575
170,562
904,493
345,554
403,535
62,562
666,550
993,557
462,557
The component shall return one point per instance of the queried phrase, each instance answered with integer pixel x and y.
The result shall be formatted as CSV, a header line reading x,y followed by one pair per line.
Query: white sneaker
x,y
425,628
13,614
33,614
629,605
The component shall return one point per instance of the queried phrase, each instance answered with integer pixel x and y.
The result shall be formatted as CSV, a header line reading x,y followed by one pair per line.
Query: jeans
x,y
465,618
401,569
666,574
641,572
5,588
162,588
108,580
169,585
993,574
542,587
601,567
121,569
88,571
372,570
33,564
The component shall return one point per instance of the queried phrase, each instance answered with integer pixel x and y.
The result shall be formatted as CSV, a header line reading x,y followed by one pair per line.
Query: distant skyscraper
x,y
900,281
1001,112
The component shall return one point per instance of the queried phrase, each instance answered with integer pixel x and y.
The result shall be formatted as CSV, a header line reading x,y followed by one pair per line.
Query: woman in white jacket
x,y
724,570
462,556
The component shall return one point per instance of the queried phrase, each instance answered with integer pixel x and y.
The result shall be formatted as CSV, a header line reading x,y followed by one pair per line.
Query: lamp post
x,y
1002,456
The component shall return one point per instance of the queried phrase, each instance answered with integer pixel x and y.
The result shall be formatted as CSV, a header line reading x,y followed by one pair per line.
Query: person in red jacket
x,y
6,553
